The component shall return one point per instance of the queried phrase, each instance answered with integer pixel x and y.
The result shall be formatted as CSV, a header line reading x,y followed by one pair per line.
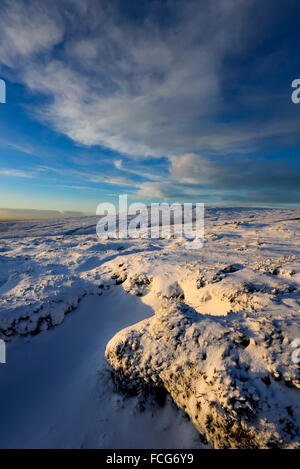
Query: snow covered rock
x,y
235,379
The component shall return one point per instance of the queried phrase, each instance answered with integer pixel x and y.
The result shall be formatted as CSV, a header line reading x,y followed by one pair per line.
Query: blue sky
x,y
163,100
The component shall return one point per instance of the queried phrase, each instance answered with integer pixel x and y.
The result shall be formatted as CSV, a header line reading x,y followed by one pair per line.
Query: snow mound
x,y
233,378
226,318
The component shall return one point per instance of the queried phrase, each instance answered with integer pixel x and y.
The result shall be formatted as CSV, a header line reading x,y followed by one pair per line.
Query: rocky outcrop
x,y
232,375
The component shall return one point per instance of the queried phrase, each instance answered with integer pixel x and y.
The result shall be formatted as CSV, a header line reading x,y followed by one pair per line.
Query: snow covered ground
x,y
214,327
56,391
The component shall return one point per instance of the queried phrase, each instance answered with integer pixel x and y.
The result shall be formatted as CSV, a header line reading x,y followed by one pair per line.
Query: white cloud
x,y
194,169
118,164
26,29
15,173
120,181
137,88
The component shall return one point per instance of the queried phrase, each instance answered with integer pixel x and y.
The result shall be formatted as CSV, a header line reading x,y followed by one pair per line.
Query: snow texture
x,y
213,328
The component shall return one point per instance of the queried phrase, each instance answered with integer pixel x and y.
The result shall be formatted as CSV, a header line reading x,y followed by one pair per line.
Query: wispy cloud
x,y
28,28
15,173
140,170
18,146
141,88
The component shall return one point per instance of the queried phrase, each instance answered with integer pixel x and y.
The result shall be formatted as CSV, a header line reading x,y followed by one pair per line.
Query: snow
x,y
210,326
56,391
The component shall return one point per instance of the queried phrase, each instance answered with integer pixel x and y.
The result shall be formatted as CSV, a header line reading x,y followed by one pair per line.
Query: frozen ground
x,y
56,391
214,328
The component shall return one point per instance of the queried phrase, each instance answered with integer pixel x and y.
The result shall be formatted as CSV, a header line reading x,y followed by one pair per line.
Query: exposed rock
x,y
232,388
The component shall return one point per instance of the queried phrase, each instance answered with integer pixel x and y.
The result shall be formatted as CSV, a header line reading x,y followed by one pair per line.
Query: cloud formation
x,y
188,81
152,86
270,181
15,173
